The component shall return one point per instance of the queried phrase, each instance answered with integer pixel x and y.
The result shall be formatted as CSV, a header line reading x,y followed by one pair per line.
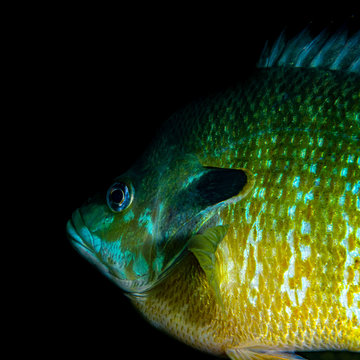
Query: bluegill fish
x,y
238,230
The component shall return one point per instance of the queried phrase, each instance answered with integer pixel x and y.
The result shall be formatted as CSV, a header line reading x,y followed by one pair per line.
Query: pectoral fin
x,y
263,354
204,246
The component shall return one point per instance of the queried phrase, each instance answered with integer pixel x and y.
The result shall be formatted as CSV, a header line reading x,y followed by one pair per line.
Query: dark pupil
x,y
117,196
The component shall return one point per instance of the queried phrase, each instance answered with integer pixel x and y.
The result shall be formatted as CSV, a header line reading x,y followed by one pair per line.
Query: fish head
x,y
114,231
138,229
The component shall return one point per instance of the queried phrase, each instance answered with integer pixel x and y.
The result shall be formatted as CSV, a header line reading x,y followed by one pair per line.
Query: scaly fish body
x,y
240,234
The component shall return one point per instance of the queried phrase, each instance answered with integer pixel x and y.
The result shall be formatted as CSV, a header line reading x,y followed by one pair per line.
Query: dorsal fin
x,y
333,52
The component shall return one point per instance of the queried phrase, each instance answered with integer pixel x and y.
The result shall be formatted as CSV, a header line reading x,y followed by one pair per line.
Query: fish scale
x,y
241,233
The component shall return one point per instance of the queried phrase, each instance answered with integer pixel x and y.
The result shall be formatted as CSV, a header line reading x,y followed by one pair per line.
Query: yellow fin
x,y
253,354
204,246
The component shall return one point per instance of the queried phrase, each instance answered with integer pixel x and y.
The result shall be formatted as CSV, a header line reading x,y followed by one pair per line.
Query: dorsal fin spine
x,y
335,52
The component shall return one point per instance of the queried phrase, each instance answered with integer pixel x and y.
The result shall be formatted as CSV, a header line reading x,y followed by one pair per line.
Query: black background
x,y
110,76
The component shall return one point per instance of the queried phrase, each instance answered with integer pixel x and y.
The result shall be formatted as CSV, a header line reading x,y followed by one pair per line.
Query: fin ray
x,y
335,52
252,354
204,246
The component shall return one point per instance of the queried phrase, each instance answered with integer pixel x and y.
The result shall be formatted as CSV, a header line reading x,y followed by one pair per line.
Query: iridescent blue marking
x,y
291,211
296,182
356,188
348,186
313,168
299,195
128,216
146,220
309,196
141,267
305,228
342,200
344,172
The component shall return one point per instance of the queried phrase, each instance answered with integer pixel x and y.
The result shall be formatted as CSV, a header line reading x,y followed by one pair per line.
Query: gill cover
x,y
188,200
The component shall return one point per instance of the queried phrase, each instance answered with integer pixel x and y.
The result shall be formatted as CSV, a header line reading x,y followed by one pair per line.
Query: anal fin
x,y
253,354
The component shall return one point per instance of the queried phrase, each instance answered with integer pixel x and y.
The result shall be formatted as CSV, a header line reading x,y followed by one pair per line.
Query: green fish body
x,y
238,230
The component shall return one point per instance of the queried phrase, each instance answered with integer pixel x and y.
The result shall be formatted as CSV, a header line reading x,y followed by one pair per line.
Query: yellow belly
x,y
184,306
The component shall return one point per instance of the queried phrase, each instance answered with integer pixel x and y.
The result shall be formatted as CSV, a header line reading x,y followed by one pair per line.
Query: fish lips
x,y
82,239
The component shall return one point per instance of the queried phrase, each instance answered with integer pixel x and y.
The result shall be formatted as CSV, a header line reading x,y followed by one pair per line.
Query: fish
x,y
237,231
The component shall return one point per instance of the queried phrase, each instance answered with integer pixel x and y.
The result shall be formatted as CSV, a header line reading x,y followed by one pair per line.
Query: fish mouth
x,y
80,237
89,246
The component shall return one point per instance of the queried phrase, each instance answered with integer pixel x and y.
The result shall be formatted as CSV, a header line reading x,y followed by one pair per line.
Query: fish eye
x,y
118,197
